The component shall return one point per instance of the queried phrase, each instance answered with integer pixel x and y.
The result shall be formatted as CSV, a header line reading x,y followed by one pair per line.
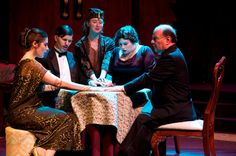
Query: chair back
x,y
6,72
209,114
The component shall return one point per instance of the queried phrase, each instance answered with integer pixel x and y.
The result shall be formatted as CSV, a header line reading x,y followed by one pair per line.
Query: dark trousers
x,y
137,141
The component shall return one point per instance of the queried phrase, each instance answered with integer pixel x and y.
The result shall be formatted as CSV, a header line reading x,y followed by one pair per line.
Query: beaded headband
x,y
26,35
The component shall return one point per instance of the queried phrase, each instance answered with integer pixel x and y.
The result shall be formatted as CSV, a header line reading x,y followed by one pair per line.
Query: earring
x,y
34,152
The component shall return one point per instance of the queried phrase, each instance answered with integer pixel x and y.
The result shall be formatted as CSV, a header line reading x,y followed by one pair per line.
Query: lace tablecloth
x,y
105,108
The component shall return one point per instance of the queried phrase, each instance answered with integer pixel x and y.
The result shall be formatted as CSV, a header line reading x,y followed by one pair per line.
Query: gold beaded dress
x,y
53,128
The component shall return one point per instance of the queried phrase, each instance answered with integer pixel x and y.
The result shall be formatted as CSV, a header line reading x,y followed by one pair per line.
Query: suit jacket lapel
x,y
72,65
53,59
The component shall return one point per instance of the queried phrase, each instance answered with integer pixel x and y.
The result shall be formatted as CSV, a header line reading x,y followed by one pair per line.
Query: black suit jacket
x,y
49,61
171,97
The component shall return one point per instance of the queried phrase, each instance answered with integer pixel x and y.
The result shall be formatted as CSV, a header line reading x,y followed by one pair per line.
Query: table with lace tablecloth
x,y
105,108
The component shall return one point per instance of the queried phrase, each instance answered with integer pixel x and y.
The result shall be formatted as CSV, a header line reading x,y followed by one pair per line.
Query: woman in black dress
x,y
130,59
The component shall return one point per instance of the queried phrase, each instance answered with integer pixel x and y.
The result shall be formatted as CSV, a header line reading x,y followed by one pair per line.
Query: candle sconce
x,y
65,9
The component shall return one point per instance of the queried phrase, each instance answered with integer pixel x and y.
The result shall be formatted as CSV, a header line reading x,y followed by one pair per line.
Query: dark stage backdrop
x,y
206,30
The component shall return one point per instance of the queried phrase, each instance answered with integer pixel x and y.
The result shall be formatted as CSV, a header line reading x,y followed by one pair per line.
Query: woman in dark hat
x,y
93,49
93,53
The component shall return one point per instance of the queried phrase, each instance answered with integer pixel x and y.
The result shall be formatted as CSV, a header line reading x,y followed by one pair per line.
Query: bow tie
x,y
60,54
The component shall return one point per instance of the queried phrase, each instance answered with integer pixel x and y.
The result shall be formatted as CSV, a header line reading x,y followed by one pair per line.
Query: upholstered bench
x,y
19,142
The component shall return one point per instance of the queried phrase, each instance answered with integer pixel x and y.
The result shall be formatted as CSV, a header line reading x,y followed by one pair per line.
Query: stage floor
x,y
224,143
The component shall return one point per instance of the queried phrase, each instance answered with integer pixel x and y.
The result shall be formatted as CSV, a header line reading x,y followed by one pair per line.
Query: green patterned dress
x,y
53,128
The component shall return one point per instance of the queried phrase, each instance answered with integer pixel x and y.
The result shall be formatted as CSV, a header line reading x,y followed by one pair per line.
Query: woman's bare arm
x,y
51,79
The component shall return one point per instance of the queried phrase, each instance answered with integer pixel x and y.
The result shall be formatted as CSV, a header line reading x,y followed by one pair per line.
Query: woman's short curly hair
x,y
126,32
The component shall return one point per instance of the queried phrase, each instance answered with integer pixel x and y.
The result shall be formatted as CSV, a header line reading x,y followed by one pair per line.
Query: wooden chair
x,y
6,82
197,128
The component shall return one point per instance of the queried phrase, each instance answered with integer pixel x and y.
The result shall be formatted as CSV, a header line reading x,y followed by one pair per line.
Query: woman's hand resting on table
x,y
97,89
114,89
100,82
108,89
93,83
105,82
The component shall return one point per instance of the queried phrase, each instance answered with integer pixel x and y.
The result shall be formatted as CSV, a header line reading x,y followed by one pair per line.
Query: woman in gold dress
x,y
53,128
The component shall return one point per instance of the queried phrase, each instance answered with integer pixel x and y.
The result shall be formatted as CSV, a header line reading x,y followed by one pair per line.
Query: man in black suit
x,y
171,99
61,63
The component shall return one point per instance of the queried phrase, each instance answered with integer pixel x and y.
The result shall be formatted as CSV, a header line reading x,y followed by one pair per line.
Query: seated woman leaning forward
x,y
53,128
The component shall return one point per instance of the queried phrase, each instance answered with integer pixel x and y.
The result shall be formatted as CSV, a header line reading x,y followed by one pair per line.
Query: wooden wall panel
x,y
153,13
